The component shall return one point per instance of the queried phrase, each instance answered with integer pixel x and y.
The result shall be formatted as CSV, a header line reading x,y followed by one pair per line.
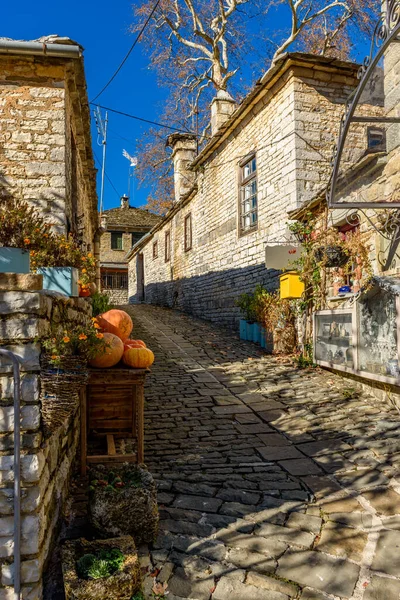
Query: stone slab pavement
x,y
274,483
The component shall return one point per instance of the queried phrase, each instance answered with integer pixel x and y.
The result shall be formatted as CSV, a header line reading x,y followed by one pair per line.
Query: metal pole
x,y
17,472
103,169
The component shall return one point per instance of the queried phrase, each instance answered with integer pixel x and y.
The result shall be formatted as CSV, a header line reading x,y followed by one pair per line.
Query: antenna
x,y
132,163
101,127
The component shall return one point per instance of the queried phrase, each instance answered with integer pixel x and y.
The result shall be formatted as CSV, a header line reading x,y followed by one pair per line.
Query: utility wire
x,y
119,112
105,172
129,51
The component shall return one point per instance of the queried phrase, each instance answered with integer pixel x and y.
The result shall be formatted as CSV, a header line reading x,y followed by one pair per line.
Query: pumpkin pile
x,y
116,326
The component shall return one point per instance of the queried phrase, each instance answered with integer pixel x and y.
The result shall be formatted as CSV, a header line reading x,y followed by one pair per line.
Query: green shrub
x,y
104,564
100,303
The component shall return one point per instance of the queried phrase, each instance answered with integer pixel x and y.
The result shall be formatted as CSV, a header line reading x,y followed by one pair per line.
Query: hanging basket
x,y
60,387
331,256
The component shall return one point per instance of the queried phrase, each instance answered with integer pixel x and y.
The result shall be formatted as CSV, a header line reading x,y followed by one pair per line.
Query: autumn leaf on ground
x,y
155,572
159,588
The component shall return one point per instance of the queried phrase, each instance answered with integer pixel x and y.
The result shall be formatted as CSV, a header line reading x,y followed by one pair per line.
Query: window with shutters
x,y
116,240
248,204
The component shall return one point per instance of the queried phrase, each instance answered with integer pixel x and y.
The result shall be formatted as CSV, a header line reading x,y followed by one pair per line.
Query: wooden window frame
x,y
167,246
155,250
117,233
243,183
188,242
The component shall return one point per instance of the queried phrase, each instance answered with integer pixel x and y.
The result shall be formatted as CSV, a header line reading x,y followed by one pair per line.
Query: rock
x,y
130,510
235,590
122,585
387,557
319,571
382,587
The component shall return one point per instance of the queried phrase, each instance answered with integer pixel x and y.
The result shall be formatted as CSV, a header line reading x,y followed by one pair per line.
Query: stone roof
x,y
130,217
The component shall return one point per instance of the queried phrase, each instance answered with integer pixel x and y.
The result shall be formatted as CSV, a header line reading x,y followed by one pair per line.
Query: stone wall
x,y
109,255
292,129
43,158
117,297
45,463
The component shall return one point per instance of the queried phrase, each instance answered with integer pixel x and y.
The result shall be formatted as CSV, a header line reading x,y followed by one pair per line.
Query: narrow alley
x,y
274,482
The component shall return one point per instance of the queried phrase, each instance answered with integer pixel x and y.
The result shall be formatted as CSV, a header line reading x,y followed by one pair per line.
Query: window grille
x,y
114,281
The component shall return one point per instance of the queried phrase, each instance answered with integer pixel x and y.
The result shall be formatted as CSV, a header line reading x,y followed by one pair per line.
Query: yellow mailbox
x,y
290,285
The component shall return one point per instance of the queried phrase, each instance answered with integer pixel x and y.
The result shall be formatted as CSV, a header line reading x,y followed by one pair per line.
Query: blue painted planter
x,y
249,331
60,279
257,333
263,337
243,329
14,260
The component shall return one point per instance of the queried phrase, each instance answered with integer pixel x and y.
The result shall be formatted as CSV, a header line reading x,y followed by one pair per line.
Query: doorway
x,y
140,277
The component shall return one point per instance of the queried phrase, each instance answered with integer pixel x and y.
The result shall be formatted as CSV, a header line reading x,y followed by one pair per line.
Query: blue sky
x,y
102,27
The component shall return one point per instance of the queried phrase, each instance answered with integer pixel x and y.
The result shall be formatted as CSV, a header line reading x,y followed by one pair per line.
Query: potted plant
x,y
246,326
64,369
123,499
21,230
101,569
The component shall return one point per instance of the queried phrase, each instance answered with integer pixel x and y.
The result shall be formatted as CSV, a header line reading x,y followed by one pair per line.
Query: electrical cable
x,y
119,112
129,51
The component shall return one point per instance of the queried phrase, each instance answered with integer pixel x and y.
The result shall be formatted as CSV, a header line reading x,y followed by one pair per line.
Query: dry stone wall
x,y
292,130
46,464
41,142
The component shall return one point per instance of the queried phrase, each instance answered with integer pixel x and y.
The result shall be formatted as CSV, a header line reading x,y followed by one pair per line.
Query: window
x,y
116,240
188,232
167,246
155,250
114,281
376,139
248,195
136,237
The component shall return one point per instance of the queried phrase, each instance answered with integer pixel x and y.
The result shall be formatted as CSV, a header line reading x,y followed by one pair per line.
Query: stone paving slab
x,y
273,484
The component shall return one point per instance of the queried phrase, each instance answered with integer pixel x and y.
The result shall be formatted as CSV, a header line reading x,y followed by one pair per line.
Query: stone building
x,y
122,227
45,159
266,157
46,156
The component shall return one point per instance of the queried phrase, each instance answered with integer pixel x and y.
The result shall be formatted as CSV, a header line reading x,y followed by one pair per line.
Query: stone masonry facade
x,y
46,464
46,157
290,121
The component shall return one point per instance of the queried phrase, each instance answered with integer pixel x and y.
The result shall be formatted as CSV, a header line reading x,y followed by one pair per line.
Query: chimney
x,y
124,201
184,148
222,107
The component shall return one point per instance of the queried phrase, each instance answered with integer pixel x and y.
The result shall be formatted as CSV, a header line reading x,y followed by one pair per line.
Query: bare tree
x,y
199,47
324,26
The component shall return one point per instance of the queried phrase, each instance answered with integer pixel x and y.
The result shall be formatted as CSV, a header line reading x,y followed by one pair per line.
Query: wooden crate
x,y
112,405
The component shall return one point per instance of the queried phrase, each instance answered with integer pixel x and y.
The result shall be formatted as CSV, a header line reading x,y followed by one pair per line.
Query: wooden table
x,y
112,405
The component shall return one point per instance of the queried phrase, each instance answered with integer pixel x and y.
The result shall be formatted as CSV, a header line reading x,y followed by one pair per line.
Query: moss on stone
x,y
129,509
123,584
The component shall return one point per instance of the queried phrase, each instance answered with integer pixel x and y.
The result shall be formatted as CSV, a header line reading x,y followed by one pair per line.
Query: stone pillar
x,y
184,149
222,107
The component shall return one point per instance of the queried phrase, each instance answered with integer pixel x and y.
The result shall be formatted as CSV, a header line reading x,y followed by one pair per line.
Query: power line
x,y
109,180
129,51
119,112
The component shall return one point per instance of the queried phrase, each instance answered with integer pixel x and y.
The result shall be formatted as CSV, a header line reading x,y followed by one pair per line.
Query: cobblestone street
x,y
274,483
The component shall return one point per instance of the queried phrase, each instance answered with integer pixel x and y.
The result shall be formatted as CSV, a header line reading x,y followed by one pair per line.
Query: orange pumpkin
x,y
138,358
110,354
117,322
134,344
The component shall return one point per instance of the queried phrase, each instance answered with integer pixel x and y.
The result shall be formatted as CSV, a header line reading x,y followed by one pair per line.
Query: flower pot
x,y
263,337
331,256
130,509
249,330
14,260
243,329
60,388
257,333
122,585
60,279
